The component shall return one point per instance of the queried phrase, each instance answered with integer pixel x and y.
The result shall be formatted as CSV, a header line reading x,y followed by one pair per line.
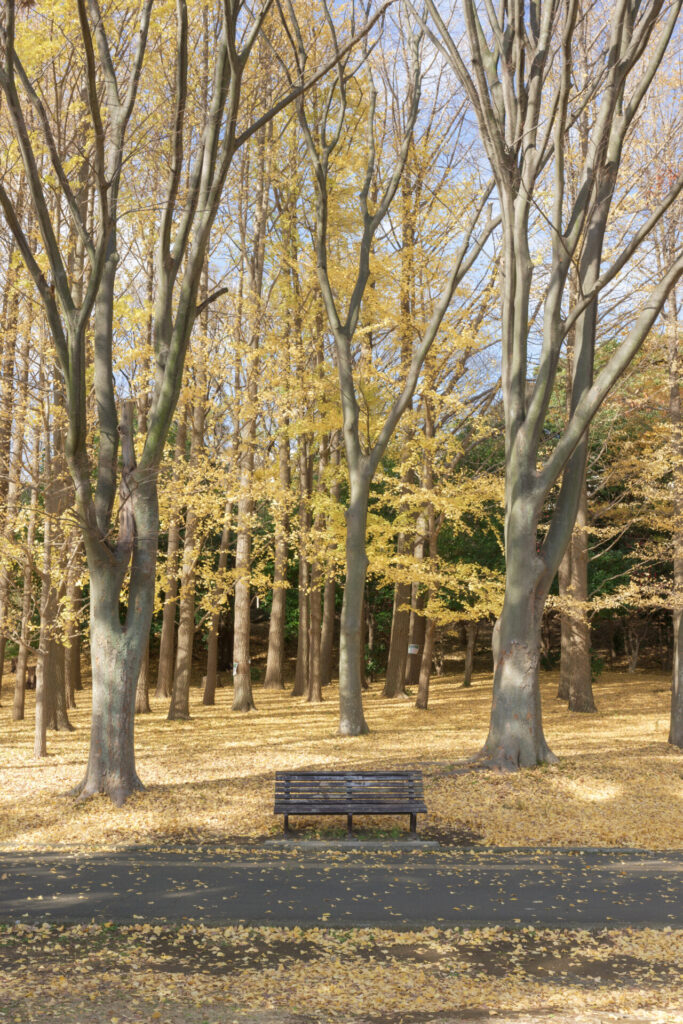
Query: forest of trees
x,y
335,341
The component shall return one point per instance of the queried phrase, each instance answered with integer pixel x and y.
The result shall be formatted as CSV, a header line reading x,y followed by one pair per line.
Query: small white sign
x,y
413,648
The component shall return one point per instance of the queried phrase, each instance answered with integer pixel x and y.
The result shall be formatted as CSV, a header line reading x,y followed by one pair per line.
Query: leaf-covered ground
x,y
190,974
618,782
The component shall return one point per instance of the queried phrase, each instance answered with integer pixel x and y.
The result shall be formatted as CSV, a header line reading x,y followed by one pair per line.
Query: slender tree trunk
x,y
142,689
416,637
564,576
180,697
327,631
243,699
426,666
675,410
27,597
352,720
314,692
394,685
580,682
276,629
330,590
471,631
73,651
209,698
303,661
167,643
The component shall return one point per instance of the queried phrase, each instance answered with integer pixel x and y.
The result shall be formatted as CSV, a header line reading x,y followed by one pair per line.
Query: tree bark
x,y
471,631
426,666
276,629
167,643
243,699
209,697
142,689
394,685
351,718
676,420
580,676
516,737
27,596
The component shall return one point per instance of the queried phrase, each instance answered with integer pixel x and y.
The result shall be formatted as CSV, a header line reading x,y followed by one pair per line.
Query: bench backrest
x,y
338,791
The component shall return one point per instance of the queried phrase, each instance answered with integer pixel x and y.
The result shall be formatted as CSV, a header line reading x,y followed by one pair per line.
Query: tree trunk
x,y
416,637
327,631
564,575
276,629
243,699
142,689
676,418
394,685
26,602
167,643
209,698
516,737
73,651
351,718
314,691
426,666
116,657
330,589
179,709
471,631
580,681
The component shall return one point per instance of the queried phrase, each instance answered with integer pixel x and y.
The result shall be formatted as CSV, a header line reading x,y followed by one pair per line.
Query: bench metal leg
x,y
413,822
349,824
287,824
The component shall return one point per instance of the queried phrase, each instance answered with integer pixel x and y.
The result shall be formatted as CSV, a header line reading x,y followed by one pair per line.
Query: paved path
x,y
394,888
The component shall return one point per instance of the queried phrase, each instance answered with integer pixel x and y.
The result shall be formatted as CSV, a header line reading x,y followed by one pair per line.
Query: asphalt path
x,y
394,888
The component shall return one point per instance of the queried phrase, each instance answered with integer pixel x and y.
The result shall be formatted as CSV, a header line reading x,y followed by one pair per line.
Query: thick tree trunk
x,y
209,697
471,631
516,737
116,658
116,651
351,718
276,628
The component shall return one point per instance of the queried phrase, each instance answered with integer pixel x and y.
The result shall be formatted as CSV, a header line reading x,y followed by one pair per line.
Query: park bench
x,y
349,793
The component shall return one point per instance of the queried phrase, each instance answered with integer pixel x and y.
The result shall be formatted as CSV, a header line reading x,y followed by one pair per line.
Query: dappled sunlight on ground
x,y
618,783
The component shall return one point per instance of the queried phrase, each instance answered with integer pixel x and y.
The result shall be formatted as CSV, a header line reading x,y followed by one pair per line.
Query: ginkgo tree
x,y
517,65
197,158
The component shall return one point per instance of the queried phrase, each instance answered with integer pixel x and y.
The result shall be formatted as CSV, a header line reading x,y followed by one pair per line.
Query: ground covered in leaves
x,y
191,974
618,782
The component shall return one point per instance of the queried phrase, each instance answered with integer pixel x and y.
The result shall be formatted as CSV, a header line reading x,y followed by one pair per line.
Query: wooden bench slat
x,y
349,792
